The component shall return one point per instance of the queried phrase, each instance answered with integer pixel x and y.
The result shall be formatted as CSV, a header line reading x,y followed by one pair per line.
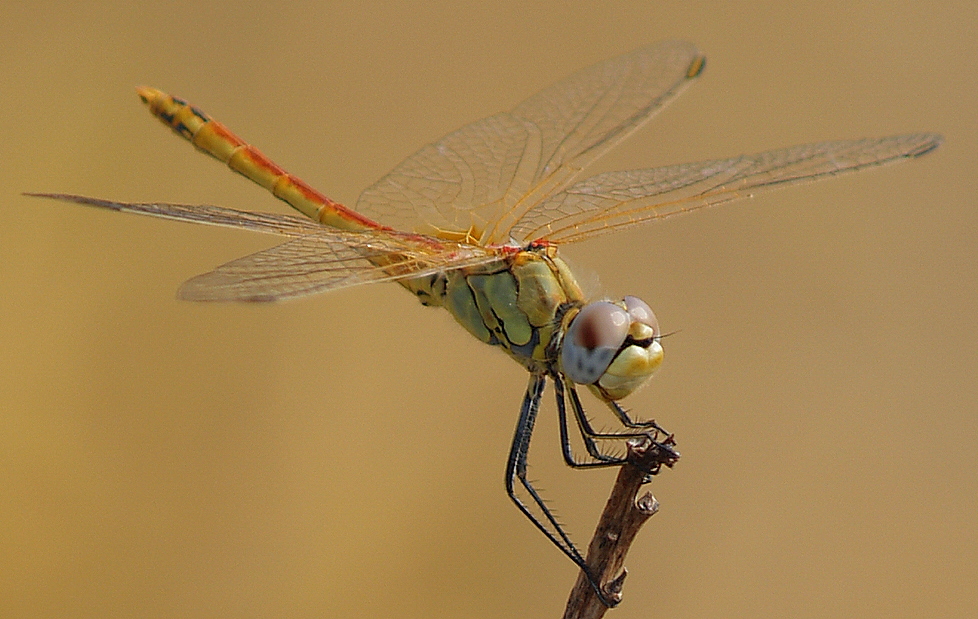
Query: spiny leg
x,y
589,434
587,429
628,422
666,445
600,459
516,469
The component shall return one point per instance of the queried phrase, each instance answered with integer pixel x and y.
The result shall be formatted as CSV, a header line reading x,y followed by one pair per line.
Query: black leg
x,y
516,470
586,424
587,435
627,421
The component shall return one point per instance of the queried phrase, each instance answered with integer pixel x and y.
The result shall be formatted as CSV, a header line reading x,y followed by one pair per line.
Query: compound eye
x,y
593,339
640,312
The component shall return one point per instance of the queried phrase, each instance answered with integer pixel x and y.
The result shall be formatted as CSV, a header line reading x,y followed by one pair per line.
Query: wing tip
x,y
67,197
929,143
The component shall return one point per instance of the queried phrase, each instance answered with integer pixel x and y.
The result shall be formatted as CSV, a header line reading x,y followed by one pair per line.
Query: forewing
x,y
480,179
616,200
328,260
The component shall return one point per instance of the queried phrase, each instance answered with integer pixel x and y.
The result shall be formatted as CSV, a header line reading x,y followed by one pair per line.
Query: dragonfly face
x,y
612,347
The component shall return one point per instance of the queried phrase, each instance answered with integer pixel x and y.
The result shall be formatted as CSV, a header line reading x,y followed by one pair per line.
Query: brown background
x,y
343,456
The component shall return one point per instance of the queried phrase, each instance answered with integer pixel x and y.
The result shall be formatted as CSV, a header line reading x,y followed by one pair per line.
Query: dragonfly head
x,y
612,347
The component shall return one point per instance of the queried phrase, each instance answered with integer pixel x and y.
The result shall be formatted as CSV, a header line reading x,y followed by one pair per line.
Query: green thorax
x,y
512,302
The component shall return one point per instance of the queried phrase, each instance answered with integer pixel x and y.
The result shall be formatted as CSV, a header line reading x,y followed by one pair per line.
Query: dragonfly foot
x,y
612,590
649,455
608,594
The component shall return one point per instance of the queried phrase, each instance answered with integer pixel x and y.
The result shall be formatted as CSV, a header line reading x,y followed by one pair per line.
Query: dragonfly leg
x,y
600,459
588,434
516,470
641,427
628,422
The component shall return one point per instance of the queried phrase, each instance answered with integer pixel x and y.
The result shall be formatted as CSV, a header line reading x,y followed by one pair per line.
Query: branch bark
x,y
623,516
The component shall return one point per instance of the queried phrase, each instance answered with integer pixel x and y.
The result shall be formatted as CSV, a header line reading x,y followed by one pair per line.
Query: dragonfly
x,y
473,222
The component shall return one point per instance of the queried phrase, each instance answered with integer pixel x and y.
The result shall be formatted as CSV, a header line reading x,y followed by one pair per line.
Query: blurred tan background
x,y
343,456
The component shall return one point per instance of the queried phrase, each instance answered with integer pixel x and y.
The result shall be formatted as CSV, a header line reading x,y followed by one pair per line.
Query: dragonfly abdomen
x,y
211,137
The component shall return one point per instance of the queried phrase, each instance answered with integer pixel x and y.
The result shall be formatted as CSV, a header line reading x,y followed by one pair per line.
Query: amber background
x,y
342,456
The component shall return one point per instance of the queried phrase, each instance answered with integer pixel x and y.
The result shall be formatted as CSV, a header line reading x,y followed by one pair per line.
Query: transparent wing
x,y
479,180
617,200
316,259
320,262
269,223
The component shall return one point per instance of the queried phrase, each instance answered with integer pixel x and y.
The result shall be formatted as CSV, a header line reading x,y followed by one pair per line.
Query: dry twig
x,y
623,516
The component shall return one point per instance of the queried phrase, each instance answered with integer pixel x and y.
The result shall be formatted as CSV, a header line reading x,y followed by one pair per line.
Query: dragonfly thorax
x,y
611,347
516,302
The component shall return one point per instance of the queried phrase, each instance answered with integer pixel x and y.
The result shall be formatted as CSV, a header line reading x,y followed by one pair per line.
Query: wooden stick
x,y
623,516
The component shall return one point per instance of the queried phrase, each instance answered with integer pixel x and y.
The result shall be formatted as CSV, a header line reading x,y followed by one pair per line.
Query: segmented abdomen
x,y
213,138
